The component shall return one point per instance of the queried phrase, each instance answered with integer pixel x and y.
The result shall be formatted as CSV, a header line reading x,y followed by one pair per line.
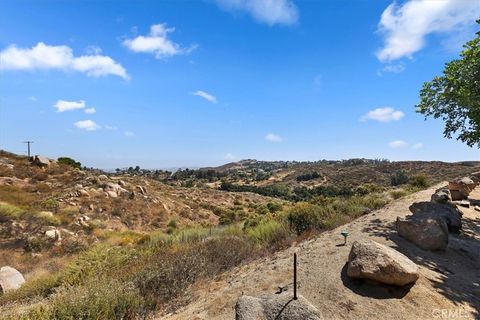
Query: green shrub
x,y
398,193
269,232
252,221
304,216
38,287
274,207
368,188
100,260
69,162
46,218
263,209
9,212
308,176
169,271
172,224
400,177
227,216
419,181
50,204
100,298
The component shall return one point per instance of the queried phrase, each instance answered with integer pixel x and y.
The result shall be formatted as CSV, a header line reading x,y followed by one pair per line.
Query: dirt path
x,y
448,288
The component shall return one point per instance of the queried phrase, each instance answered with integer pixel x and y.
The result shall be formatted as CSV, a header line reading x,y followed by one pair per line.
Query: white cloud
x,y
272,137
32,98
93,50
386,114
230,156
129,134
392,68
87,125
405,27
90,110
205,95
45,57
398,144
63,105
157,43
270,12
417,146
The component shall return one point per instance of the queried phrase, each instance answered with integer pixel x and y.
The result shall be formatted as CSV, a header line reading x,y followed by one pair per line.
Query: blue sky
x,y
197,83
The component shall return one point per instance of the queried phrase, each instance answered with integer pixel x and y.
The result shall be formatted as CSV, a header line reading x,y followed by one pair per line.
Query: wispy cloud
x,y
205,95
45,57
230,156
417,146
129,134
392,68
32,98
157,43
88,125
386,114
64,105
405,27
90,110
270,12
272,137
398,144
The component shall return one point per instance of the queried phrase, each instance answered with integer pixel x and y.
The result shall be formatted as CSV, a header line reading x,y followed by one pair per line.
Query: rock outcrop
x,y
111,188
427,233
449,213
10,279
461,188
41,161
371,260
441,195
272,307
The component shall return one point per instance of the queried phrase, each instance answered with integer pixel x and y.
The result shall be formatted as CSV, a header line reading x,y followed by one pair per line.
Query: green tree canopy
x,y
69,162
455,95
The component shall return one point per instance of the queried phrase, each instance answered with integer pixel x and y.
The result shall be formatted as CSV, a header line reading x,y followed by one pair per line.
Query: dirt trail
x,y
448,288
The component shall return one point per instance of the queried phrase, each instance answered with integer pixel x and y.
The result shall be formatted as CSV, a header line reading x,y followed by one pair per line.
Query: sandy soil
x,y
448,288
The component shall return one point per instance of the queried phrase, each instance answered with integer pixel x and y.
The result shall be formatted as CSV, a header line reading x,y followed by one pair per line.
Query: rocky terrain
x,y
448,284
49,210
188,245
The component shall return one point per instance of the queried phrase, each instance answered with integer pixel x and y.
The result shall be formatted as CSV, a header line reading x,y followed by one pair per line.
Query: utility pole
x,y
28,146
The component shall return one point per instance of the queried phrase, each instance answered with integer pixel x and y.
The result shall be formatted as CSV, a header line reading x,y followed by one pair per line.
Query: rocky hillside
x,y
348,174
53,209
161,239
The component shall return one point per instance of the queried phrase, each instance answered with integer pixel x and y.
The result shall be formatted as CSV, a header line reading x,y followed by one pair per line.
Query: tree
x,y
69,162
455,96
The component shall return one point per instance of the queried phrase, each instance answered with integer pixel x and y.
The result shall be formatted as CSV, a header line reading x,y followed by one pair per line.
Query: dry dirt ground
x,y
448,287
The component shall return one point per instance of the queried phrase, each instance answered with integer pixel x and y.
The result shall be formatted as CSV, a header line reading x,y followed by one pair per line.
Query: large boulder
x,y
427,233
371,260
469,182
41,161
272,307
53,234
461,188
10,279
114,187
441,195
475,177
447,212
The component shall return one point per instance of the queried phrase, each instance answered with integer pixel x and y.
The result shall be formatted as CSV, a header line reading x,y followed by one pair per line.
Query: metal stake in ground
x,y
294,276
